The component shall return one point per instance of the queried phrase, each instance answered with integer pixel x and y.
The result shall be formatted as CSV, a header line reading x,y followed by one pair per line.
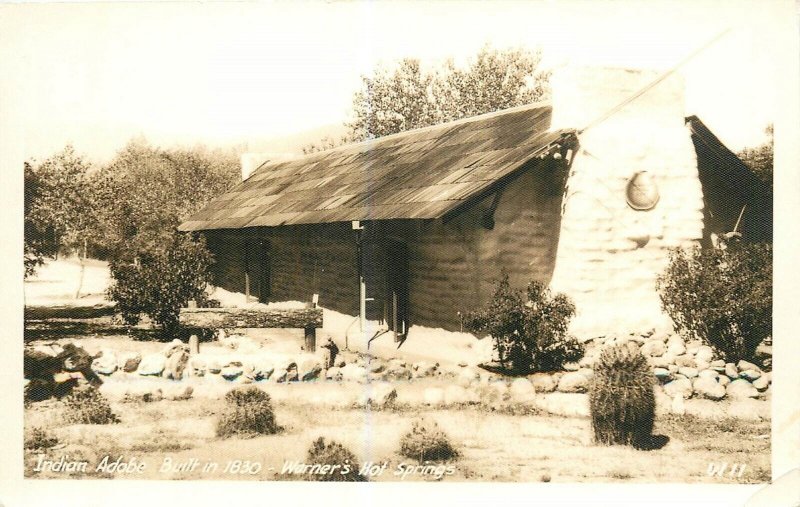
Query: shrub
x,y
39,438
426,442
621,397
159,281
249,414
528,335
88,406
333,454
721,295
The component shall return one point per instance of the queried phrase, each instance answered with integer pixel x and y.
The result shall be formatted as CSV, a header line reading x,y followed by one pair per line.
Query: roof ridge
x,y
469,119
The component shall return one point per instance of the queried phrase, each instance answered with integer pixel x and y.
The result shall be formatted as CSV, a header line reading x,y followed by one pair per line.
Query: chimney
x,y
252,161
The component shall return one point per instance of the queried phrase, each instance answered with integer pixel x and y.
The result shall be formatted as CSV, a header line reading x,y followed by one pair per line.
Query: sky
x,y
96,75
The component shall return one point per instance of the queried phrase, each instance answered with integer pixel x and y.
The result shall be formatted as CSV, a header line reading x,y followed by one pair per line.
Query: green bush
x,y
249,413
528,334
88,406
721,295
333,453
39,438
621,397
426,442
160,281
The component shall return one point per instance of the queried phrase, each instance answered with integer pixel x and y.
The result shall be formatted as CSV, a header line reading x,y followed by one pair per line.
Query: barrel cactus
x,y
621,397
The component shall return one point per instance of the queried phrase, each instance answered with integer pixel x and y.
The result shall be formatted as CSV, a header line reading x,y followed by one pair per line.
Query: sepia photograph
x,y
405,242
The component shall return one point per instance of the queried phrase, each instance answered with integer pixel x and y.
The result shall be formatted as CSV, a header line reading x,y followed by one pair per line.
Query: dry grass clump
x,y
342,462
88,406
249,413
427,442
39,438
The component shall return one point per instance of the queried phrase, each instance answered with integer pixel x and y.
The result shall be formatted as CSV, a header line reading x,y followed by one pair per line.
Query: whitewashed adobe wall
x,y
610,254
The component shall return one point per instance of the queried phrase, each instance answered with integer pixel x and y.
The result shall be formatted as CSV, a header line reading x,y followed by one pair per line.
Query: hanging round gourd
x,y
642,191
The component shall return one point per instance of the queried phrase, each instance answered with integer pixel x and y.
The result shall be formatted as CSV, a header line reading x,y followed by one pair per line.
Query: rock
x,y
129,361
197,366
723,380
456,395
433,396
172,347
587,361
678,406
661,361
543,383
176,364
278,376
353,373
521,389
423,369
679,387
178,392
662,374
333,373
705,409
565,404
702,365
718,365
587,372
214,366
704,354
708,374
380,394
688,372
709,388
750,375
731,371
467,376
746,365
106,364
741,388
672,368
762,383
292,374
152,364
395,372
685,361
375,366
262,368
573,382
231,372
749,409
309,370
676,346
571,366
654,348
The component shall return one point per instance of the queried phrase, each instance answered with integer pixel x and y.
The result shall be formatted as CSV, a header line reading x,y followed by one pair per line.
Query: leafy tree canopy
x,y
760,158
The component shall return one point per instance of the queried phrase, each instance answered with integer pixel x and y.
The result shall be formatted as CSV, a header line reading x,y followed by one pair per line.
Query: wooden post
x,y
194,344
311,339
394,317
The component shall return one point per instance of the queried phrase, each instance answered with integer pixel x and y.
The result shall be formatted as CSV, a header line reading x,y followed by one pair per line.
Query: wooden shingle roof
x,y
419,174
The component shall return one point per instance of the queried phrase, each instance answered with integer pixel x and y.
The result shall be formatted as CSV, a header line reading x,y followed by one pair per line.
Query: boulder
x,y
152,364
173,346
709,388
467,376
309,370
718,365
731,371
457,395
197,366
747,365
723,380
333,373
705,409
709,374
762,383
702,365
573,382
587,372
433,396
543,383
565,404
214,366
749,409
704,354
750,375
106,364
685,361
353,373
662,374
740,389
231,372
679,387
292,373
423,369
263,369
395,372
176,364
521,389
676,346
688,372
654,348
571,367
129,361
376,366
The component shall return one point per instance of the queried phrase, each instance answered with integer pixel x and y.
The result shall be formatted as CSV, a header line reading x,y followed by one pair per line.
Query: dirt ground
x,y
493,446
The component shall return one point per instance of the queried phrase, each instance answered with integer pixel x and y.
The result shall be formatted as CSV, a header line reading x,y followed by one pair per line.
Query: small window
x,y
642,191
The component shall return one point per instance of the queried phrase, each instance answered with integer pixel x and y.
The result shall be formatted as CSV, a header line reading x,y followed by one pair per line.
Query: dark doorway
x,y
397,286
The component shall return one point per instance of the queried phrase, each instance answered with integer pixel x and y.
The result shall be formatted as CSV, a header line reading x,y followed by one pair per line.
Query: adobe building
x,y
587,193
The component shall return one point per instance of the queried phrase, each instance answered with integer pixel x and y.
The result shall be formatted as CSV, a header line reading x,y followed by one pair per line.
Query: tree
x,y
39,242
760,158
408,98
61,205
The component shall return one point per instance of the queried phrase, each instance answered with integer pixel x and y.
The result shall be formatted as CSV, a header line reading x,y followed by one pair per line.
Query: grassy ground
x,y
493,446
